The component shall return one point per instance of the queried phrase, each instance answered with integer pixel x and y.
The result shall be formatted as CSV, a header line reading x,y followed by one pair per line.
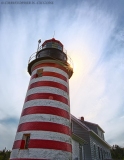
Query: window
x,y
94,150
80,151
25,141
53,45
109,154
99,152
71,126
39,73
103,154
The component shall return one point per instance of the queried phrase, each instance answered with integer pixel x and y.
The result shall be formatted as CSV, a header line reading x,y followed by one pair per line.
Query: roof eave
x,y
103,141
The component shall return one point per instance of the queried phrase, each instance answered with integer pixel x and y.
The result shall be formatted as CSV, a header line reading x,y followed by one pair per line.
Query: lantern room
x,y
52,43
52,49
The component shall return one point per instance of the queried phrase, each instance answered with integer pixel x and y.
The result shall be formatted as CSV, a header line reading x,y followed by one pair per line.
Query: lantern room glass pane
x,y
53,45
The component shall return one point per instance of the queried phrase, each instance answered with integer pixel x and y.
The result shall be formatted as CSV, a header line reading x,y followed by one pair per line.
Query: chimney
x,y
82,119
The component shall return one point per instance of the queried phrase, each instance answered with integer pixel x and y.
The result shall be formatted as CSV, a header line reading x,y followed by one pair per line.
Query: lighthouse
x,y
44,131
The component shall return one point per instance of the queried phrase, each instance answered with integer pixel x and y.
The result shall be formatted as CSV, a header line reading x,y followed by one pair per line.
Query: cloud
x,y
9,121
8,127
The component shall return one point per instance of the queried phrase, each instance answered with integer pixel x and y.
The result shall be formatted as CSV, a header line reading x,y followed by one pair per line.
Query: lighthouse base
x,y
40,154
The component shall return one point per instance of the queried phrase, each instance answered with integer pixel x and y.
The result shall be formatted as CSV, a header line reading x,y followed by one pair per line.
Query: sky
x,y
92,32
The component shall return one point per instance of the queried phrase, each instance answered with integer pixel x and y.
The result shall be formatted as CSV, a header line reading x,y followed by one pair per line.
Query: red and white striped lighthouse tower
x,y
44,128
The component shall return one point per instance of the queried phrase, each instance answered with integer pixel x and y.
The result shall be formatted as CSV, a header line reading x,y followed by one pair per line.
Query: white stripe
x,y
51,69
41,153
45,135
47,102
49,78
44,118
46,89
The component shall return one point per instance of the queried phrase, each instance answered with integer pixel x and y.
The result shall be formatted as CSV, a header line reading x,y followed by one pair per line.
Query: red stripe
x,y
48,83
46,110
53,74
44,126
47,96
17,144
46,144
50,65
22,144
